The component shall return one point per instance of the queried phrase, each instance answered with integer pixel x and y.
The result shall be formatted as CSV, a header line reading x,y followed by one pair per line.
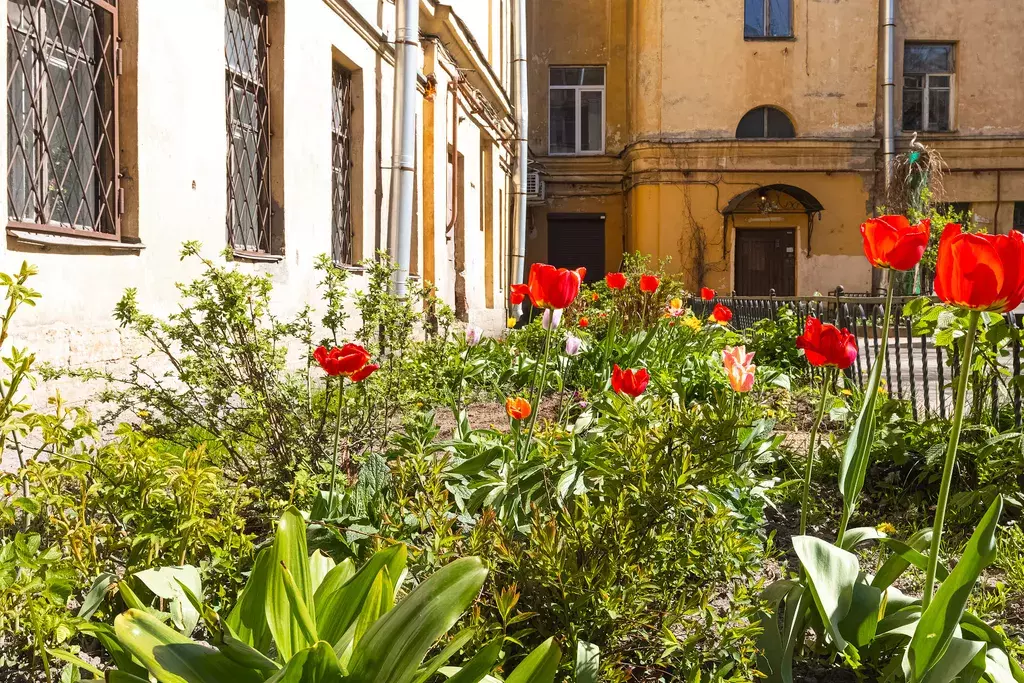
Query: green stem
x,y
947,469
540,387
337,436
457,394
879,366
805,503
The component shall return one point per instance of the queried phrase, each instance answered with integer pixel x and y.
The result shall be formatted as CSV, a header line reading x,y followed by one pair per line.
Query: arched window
x,y
765,122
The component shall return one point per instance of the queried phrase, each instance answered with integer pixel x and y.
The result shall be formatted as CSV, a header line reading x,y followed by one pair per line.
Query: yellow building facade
x,y
743,139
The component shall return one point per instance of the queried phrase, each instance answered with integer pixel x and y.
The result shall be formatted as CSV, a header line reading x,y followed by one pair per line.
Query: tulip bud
x,y
573,345
473,335
551,318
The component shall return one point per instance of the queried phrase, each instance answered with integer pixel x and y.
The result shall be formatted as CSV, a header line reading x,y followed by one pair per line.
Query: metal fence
x,y
916,370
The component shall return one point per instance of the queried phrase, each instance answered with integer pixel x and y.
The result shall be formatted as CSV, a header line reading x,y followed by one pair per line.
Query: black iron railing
x,y
915,370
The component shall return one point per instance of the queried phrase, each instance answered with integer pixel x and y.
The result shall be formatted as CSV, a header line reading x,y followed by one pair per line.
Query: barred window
x,y
248,116
62,152
342,235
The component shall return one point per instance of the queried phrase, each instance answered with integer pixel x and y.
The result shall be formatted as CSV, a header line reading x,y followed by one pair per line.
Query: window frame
x,y
342,133
765,110
1018,215
926,89
578,110
766,16
116,202
260,87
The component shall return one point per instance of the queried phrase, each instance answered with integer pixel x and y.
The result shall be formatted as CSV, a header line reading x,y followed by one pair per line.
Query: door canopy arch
x,y
769,199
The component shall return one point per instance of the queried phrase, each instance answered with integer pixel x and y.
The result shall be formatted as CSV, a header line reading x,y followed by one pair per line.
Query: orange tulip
x,y
980,272
550,287
892,242
584,322
518,408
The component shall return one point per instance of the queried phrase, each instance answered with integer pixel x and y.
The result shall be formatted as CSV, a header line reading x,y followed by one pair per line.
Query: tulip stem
x,y
805,503
947,469
457,394
337,436
540,387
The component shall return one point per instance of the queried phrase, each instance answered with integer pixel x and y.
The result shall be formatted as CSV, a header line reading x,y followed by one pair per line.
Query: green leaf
x,y
299,610
122,658
320,566
393,648
242,653
861,622
289,551
173,658
481,664
862,534
941,619
894,567
338,610
163,582
540,666
831,574
248,619
317,664
854,465
332,581
97,594
588,662
75,660
449,651
118,676
959,655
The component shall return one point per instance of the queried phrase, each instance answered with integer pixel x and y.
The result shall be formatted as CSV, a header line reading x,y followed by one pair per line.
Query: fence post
x,y
840,318
771,302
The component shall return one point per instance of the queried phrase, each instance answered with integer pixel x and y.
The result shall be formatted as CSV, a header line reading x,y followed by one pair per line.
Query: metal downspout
x,y
522,126
888,92
403,160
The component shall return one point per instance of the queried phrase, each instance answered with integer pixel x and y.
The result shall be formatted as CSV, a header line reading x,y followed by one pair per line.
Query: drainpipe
x,y
453,87
403,159
888,91
522,123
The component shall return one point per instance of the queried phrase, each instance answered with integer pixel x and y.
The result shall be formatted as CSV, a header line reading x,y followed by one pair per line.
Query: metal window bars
x,y
248,130
63,63
342,233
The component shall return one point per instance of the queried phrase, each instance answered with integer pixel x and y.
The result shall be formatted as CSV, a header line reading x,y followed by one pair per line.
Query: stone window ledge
x,y
83,243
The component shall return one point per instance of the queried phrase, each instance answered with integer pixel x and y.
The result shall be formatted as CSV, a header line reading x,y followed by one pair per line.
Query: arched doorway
x,y
769,224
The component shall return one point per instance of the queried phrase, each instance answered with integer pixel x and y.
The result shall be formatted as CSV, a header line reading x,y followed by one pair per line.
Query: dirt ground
x,y
484,415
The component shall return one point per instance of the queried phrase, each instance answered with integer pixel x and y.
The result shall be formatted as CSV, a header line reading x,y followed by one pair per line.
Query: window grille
x,y
765,122
248,116
62,154
342,235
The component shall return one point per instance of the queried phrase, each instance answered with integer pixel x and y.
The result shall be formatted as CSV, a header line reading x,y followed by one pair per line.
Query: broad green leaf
x,y
854,465
480,665
289,551
118,676
97,594
299,610
905,555
958,656
332,581
173,658
248,619
163,582
372,607
337,611
861,622
317,664
588,662
75,660
771,652
777,591
969,623
862,534
242,653
393,648
122,657
831,573
540,666
942,617
449,651
320,566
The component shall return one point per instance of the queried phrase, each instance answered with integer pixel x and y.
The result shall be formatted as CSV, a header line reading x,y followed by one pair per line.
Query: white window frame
x,y
926,89
579,90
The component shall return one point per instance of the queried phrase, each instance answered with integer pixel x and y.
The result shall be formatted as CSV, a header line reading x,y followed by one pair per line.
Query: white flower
x,y
473,335
551,319
573,345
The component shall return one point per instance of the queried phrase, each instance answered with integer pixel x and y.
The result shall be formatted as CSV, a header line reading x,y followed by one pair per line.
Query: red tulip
x,y
347,361
595,296
721,314
518,408
518,294
554,288
649,283
980,272
892,242
367,370
826,345
584,322
616,280
707,294
629,382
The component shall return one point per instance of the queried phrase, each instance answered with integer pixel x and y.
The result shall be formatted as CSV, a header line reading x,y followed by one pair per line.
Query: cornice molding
x,y
369,32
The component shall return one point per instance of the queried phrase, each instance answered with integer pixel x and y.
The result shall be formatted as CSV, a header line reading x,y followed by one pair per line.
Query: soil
x,y
490,415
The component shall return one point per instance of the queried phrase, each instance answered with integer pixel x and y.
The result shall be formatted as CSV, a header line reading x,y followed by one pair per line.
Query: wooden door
x,y
765,260
577,240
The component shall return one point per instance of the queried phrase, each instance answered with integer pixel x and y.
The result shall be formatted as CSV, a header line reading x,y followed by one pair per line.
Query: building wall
x,y
680,77
174,150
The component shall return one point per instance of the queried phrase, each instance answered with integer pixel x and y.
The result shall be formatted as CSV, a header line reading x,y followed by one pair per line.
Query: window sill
x,y
769,39
357,270
253,257
45,239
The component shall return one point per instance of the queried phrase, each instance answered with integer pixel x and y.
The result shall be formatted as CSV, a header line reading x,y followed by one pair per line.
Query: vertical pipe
x,y
403,158
522,132
888,91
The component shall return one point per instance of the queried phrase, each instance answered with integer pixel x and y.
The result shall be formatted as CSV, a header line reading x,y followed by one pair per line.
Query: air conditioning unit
x,y
534,187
